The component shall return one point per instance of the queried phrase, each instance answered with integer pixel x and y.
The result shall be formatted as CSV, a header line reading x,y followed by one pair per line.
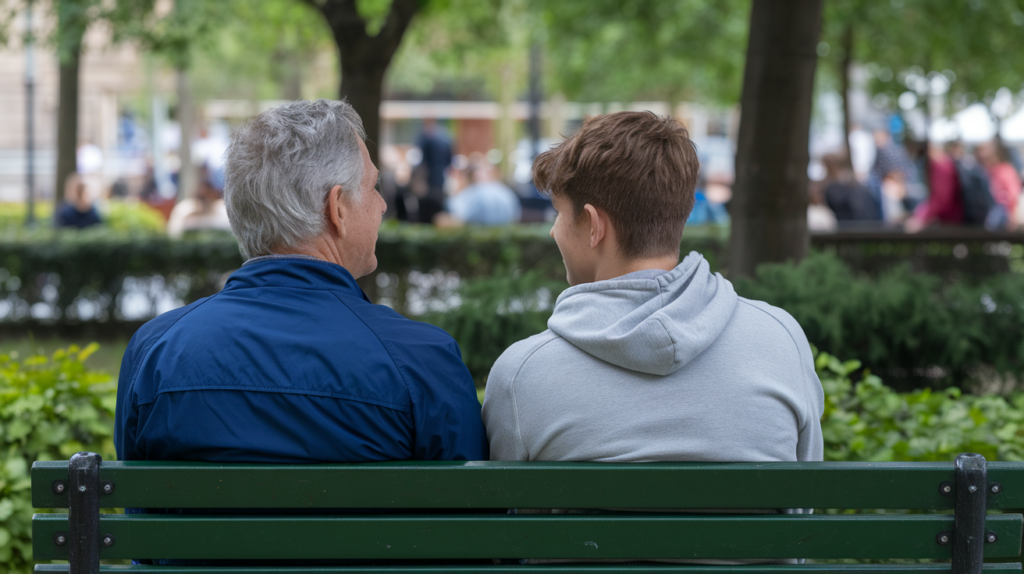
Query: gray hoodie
x,y
658,366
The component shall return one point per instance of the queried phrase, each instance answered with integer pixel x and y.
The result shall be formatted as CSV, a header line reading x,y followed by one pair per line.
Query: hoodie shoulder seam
x,y
512,391
777,320
799,353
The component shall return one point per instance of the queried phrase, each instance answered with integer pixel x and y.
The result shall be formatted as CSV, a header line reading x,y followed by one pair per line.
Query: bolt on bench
x,y
967,537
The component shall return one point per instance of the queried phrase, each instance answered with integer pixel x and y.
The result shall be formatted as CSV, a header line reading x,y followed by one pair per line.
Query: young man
x,y
647,358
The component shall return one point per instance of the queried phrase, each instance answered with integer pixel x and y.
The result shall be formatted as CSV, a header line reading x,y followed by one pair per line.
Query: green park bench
x,y
270,523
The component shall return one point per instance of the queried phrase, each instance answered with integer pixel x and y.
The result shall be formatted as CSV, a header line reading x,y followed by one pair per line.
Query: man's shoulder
x,y
766,319
158,326
391,326
532,349
771,315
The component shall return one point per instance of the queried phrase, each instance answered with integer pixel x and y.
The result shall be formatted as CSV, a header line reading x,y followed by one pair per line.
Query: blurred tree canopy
x,y
962,51
610,50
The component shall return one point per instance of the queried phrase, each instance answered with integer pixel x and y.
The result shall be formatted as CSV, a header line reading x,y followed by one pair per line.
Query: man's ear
x,y
598,224
336,212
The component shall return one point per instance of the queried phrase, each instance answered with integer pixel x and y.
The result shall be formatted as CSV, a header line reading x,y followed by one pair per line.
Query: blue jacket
x,y
291,363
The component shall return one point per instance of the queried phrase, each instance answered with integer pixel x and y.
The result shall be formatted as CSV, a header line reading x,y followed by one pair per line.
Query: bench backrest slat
x,y
530,485
994,568
535,536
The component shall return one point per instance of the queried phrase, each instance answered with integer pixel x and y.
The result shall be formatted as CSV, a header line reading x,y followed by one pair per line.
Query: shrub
x,y
865,420
912,327
495,312
50,408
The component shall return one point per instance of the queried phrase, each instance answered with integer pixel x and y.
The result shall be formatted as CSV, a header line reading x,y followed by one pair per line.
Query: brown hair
x,y
638,167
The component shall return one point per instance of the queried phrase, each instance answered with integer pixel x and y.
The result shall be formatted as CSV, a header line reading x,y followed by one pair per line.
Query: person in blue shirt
x,y
485,201
78,211
290,362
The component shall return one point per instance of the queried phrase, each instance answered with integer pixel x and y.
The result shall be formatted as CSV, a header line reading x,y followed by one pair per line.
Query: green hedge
x,y
913,328
413,263
916,329
52,407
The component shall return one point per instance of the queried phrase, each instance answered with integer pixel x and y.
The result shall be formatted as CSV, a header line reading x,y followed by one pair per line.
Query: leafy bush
x,y
912,327
496,312
133,217
865,420
50,408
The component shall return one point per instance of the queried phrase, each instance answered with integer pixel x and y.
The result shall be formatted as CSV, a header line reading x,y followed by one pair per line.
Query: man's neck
x,y
319,248
614,267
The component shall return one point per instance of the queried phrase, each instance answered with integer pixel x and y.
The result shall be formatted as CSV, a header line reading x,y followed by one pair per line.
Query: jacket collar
x,y
295,271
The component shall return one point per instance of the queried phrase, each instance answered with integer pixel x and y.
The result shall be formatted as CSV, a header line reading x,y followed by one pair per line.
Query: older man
x,y
290,362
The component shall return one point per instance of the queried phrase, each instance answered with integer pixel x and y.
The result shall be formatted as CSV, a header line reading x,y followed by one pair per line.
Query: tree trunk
x,y
363,88
364,58
844,87
186,122
67,116
769,205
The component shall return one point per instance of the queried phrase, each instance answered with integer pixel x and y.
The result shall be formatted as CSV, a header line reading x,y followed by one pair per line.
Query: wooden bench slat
x,y
526,536
1008,568
530,485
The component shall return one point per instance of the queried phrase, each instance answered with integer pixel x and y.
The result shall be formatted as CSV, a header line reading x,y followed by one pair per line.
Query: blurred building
x,y
110,76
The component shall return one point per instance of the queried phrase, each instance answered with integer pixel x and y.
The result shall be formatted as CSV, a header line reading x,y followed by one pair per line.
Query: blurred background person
x,y
484,201
847,197
89,164
436,149
945,204
862,152
1004,182
710,199
980,206
205,211
819,216
78,210
892,163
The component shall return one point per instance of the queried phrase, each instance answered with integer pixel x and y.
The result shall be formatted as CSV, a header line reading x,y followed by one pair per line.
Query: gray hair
x,y
280,167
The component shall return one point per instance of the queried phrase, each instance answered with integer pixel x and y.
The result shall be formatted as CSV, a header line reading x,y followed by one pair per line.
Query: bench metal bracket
x,y
84,513
971,486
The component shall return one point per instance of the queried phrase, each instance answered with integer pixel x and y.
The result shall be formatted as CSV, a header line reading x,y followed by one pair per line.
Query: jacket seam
x,y
386,350
331,289
512,389
324,394
149,351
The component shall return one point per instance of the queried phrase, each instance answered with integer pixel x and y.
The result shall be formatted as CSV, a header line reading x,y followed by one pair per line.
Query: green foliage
x,y
463,45
133,218
50,408
917,37
608,50
902,323
496,312
865,420
125,218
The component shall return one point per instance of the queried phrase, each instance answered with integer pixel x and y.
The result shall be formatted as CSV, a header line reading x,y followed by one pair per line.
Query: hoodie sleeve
x,y
500,413
810,444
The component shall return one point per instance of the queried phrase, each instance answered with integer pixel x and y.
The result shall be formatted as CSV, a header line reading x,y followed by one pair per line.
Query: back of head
x,y
835,166
638,167
280,167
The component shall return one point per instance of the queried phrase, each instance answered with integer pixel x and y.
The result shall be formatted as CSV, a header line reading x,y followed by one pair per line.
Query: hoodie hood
x,y
653,325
